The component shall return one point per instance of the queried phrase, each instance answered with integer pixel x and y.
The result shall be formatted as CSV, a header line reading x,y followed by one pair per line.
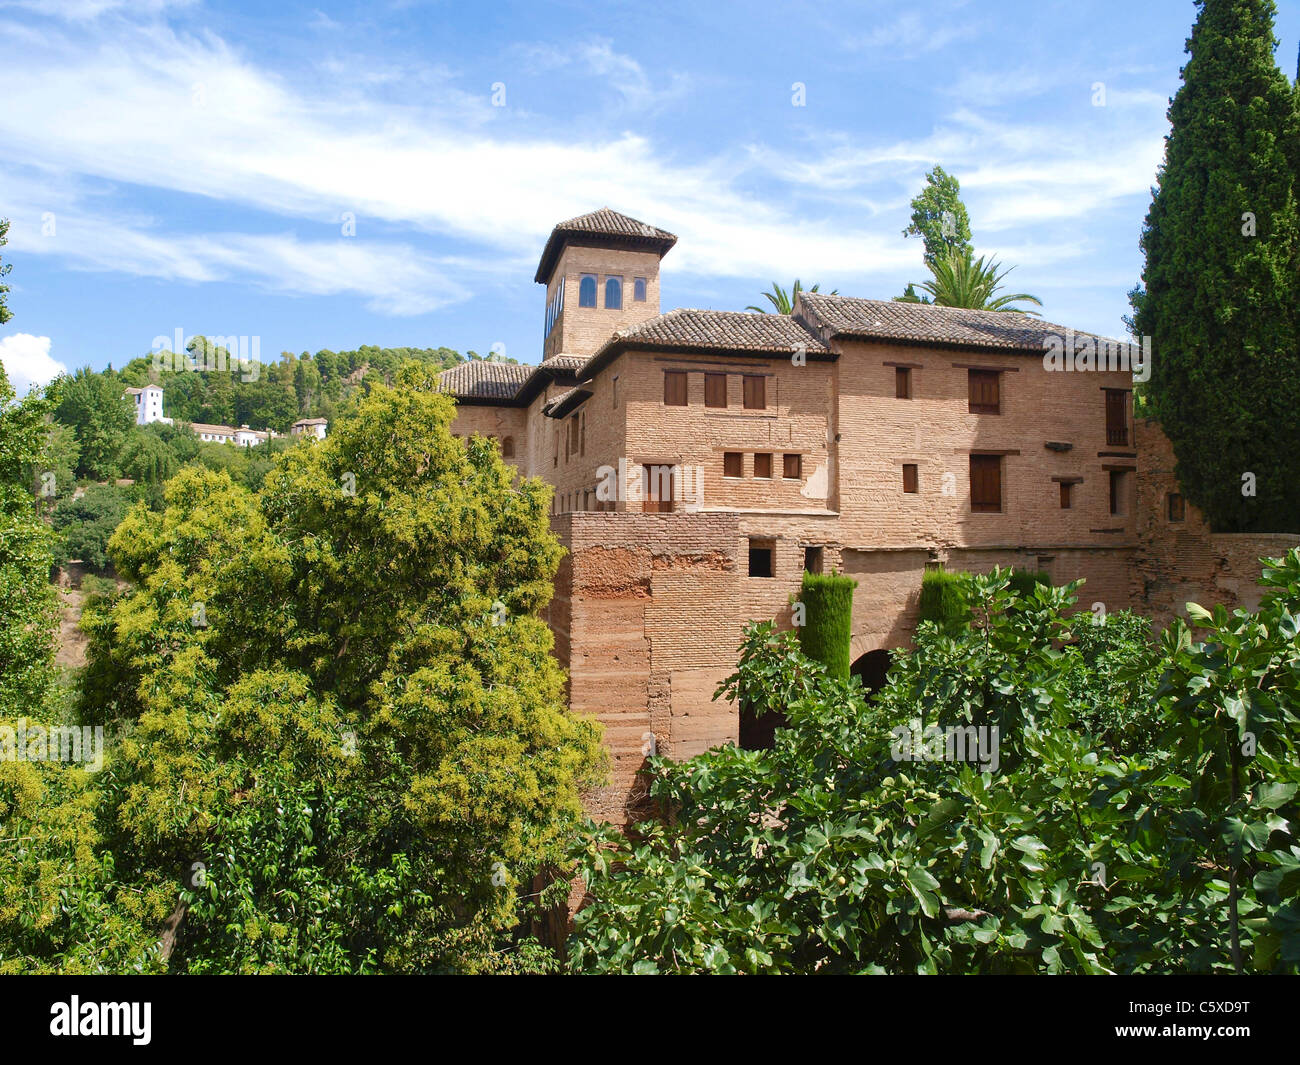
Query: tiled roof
x,y
566,363
719,330
204,427
480,379
606,223
565,402
312,421
929,324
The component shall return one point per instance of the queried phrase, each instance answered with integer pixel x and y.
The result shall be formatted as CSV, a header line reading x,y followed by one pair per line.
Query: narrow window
x,y
760,558
675,388
903,382
582,437
792,467
812,559
1118,491
638,289
613,294
910,478
1177,507
613,391
984,395
733,464
986,484
587,291
508,447
715,389
574,433
1066,494
755,393
763,465
1117,416
658,489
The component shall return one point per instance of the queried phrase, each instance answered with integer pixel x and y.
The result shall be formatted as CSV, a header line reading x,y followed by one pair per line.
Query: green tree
x,y
95,406
939,217
827,630
782,301
961,280
5,312
85,524
1221,282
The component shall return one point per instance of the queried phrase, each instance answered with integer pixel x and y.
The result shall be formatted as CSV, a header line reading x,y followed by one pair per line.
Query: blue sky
x,y
182,165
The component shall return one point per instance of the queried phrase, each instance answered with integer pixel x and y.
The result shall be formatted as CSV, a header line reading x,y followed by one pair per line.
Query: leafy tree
x,y
368,790
5,312
1222,274
939,217
94,405
827,630
960,280
85,524
783,302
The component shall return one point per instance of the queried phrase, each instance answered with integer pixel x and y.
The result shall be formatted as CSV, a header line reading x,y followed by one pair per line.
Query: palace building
x,y
703,460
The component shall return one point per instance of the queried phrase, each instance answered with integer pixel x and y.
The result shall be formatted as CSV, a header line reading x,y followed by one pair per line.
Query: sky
x,y
323,175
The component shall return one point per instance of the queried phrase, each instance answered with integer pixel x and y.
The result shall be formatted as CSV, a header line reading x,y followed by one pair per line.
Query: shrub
x,y
828,620
943,599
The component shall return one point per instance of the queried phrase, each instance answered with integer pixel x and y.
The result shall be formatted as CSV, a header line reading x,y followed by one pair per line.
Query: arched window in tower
x,y
614,294
587,291
638,290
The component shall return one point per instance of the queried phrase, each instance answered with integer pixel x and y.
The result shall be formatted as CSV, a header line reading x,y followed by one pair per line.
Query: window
x,y
902,382
1118,493
658,484
812,559
582,436
1177,507
733,463
613,391
1117,416
675,388
715,389
638,289
587,291
984,398
508,447
755,393
613,294
909,478
1066,495
573,436
763,466
760,558
986,484
792,467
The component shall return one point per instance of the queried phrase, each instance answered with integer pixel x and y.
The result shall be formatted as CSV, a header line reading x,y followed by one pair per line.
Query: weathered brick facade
x,y
809,466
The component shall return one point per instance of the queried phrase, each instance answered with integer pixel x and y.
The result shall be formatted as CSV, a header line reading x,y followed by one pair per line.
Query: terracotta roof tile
x,y
721,331
603,223
480,379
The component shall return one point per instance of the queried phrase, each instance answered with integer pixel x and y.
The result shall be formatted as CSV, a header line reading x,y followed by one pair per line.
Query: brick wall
x,y
582,330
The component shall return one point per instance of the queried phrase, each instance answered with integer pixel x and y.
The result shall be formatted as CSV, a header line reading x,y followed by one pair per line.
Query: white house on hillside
x,y
148,408
309,427
148,405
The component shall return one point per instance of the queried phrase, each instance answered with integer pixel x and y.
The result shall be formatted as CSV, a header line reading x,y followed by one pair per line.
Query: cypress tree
x,y
828,627
1222,275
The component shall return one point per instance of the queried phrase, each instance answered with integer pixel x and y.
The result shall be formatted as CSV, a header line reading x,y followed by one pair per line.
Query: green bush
x,y
943,600
828,620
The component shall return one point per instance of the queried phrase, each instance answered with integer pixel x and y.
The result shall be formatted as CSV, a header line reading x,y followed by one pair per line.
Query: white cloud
x,y
26,359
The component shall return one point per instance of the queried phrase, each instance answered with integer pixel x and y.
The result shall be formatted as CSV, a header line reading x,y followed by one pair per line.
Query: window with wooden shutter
x,y
658,485
1117,416
792,467
902,382
1177,507
715,389
573,436
986,484
984,393
675,388
582,436
763,465
755,393
910,478
1066,488
733,464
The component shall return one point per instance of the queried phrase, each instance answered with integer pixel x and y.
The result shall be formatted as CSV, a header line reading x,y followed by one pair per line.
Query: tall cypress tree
x,y
1222,275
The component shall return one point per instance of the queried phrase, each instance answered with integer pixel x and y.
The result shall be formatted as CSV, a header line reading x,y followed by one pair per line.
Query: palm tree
x,y
961,280
784,302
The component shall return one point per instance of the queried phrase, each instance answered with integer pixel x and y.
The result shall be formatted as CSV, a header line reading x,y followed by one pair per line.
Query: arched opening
x,y
587,291
508,447
614,294
871,668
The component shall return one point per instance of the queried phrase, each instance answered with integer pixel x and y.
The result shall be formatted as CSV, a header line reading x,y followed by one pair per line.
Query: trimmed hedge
x,y
942,599
828,620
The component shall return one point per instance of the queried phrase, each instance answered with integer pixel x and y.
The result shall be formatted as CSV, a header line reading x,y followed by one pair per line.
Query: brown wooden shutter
x,y
658,489
984,395
675,388
1117,416
910,478
902,382
793,467
1065,495
715,389
733,464
755,393
986,483
763,465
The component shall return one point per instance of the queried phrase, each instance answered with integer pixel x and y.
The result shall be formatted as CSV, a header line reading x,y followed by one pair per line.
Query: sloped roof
x,y
719,330
602,226
480,379
923,323
565,402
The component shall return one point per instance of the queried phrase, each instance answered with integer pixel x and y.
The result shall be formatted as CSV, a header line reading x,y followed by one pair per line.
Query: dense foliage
x,y
1138,815
827,628
1221,296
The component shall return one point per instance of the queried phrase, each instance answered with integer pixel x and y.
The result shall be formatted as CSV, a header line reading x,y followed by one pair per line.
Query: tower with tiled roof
x,y
601,272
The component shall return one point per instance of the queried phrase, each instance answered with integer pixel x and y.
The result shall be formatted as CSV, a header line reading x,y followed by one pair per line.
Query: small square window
x,y
675,388
763,465
984,392
733,463
1177,507
812,559
755,393
902,382
792,467
910,480
986,484
760,558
